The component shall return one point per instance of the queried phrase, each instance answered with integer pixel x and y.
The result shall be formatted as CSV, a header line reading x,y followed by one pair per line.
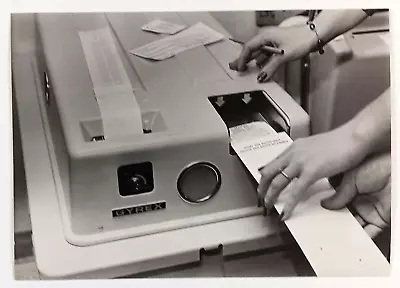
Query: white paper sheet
x,y
120,115
250,131
105,66
197,35
332,241
119,109
163,27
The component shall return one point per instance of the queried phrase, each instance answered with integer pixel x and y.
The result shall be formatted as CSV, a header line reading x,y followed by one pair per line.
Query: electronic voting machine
x,y
127,145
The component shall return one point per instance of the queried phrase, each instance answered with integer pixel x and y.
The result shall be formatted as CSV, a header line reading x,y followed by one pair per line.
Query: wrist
x,y
310,38
325,30
332,23
359,138
318,44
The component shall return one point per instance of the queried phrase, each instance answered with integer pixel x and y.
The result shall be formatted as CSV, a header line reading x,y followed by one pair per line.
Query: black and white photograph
x,y
201,144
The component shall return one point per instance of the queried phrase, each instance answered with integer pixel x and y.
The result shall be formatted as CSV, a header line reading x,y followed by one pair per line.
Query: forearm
x,y
332,23
371,127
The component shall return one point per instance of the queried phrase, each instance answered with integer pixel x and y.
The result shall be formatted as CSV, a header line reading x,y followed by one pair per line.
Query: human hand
x,y
306,161
296,41
367,187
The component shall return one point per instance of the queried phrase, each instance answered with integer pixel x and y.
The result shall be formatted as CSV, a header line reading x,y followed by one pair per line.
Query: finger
x,y
278,183
374,174
360,220
295,191
234,64
336,180
270,68
261,59
345,193
365,207
268,173
248,49
372,230
256,54
383,203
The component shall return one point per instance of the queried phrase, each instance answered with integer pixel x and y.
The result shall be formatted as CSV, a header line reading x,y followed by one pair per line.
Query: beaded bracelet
x,y
320,44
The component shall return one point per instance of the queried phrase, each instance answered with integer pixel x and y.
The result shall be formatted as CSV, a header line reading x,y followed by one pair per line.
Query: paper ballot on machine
x,y
319,232
163,27
105,66
120,112
258,144
195,36
250,131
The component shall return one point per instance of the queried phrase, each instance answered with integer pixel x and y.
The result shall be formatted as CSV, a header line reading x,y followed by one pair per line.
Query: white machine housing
x,y
184,95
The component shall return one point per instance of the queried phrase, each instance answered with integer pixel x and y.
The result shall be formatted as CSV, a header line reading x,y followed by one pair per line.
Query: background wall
x,y
241,24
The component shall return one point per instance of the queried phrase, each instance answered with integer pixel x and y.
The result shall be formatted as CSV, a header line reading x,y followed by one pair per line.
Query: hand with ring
x,y
306,161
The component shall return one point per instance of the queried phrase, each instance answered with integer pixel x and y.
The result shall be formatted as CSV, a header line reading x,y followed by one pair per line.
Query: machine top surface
x,y
171,94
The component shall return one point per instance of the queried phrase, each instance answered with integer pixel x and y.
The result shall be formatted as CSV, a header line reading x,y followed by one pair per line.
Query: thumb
x,y
270,68
344,193
372,230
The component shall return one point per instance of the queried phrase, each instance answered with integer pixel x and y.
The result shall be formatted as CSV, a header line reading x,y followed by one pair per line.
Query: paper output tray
x,y
250,106
241,108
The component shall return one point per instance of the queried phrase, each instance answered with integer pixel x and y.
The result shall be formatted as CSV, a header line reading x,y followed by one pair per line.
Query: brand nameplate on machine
x,y
139,209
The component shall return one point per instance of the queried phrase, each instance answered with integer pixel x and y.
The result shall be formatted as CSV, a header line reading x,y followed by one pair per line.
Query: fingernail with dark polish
x,y
232,66
261,77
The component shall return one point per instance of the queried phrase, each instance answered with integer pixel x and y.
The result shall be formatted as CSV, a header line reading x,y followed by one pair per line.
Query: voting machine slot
x,y
246,107
92,130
